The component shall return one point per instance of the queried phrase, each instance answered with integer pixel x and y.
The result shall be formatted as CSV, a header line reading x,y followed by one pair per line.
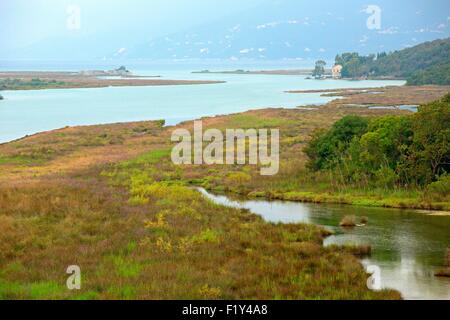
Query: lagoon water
x,y
28,112
408,246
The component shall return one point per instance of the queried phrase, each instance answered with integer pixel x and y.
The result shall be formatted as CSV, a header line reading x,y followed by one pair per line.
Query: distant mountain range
x,y
300,30
277,30
427,63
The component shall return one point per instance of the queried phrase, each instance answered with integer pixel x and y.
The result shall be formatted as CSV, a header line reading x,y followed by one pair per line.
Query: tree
x,y
319,70
385,151
431,142
328,148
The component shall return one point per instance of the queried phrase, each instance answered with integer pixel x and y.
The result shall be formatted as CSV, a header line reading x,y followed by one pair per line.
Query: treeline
x,y
427,63
388,152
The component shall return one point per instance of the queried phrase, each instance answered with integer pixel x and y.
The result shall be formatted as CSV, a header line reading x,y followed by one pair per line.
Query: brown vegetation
x,y
348,222
388,96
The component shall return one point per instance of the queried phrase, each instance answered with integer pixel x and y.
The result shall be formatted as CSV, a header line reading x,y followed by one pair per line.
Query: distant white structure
x,y
120,72
336,71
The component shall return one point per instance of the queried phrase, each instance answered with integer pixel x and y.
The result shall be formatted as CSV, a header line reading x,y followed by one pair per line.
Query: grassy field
x,y
108,198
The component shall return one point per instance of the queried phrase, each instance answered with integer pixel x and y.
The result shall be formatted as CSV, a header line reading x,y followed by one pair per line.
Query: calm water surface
x,y
28,112
407,245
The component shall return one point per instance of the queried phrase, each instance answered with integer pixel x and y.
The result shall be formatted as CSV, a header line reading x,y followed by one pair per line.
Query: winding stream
x,y
407,245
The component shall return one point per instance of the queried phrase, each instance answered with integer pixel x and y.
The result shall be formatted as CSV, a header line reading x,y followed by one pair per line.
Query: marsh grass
x,y
294,182
178,245
42,148
138,229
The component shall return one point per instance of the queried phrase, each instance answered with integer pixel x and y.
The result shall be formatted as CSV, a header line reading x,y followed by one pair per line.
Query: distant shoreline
x,y
297,72
293,72
40,80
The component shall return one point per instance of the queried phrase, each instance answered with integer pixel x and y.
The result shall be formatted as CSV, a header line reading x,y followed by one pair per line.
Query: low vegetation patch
x,y
348,221
33,84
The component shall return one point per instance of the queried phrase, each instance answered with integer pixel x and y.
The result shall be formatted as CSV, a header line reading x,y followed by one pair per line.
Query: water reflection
x,y
407,245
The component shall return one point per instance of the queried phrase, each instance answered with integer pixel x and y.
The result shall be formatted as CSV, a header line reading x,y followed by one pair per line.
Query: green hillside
x,y
427,63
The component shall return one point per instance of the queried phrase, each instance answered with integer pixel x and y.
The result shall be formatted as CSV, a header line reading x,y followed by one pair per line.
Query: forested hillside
x,y
427,63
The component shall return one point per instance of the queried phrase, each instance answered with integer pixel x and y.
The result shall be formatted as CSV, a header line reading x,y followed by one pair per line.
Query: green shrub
x,y
441,188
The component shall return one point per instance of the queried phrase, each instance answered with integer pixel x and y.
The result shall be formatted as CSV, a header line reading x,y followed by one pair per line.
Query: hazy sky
x,y
224,29
33,20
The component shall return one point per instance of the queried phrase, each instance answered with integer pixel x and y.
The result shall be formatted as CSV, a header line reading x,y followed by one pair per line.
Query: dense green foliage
x,y
354,65
387,151
427,63
437,74
17,84
325,149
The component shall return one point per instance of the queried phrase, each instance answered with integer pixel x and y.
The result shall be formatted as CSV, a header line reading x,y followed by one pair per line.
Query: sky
x,y
34,20
214,29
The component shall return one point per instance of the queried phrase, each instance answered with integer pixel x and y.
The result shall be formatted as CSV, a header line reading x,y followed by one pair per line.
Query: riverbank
x,y
34,80
387,234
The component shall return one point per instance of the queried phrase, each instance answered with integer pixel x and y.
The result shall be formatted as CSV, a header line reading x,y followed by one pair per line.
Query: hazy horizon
x,y
266,31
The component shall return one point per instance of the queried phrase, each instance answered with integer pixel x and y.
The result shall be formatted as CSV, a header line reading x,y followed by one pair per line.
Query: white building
x,y
337,71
